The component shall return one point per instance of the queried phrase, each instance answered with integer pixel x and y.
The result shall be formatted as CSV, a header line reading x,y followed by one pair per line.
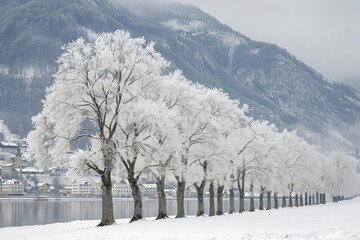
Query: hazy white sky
x,y
324,34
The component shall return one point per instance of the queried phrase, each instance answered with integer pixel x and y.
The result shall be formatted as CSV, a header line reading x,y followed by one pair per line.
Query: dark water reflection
x,y
20,212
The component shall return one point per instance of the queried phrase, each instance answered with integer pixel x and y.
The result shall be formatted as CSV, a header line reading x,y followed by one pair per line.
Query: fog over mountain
x,y
277,86
322,33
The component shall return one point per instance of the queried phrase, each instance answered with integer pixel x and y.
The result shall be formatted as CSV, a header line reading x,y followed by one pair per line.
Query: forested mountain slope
x,y
276,85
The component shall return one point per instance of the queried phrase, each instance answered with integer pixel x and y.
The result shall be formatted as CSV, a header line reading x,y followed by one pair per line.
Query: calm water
x,y
20,212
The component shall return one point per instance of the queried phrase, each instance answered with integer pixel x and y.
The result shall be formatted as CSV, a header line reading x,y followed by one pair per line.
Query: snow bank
x,y
331,221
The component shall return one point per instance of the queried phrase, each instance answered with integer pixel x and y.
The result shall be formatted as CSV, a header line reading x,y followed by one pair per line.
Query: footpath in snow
x,y
340,221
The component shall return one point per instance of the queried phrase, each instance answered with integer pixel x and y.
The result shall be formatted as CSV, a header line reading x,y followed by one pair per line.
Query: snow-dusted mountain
x,y
353,82
274,83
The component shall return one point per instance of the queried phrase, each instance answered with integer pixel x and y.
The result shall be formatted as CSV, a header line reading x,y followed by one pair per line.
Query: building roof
x,y
6,155
12,181
8,165
29,170
124,181
40,184
149,185
8,144
83,183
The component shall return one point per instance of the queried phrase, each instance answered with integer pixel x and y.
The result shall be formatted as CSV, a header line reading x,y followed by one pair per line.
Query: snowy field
x,y
332,221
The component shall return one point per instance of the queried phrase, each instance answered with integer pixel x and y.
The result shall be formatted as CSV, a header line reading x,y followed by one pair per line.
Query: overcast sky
x,y
324,34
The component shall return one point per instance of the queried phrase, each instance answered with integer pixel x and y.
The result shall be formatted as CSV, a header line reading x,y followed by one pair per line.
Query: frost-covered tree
x,y
247,162
296,166
341,175
267,146
196,128
157,140
84,107
143,123
210,158
239,165
160,158
168,144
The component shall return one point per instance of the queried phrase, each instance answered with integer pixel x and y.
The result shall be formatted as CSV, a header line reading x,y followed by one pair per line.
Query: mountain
x,y
277,86
353,82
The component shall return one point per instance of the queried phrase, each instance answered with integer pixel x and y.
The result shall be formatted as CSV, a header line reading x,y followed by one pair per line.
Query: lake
x,y
20,212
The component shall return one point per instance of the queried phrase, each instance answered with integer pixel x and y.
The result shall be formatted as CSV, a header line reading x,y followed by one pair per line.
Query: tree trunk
x,y
261,201
261,198
252,203
283,202
212,200
268,201
296,200
136,194
107,217
180,198
220,190
241,193
232,201
313,199
276,201
323,198
200,198
301,200
160,184
241,201
290,200
317,198
306,199
309,199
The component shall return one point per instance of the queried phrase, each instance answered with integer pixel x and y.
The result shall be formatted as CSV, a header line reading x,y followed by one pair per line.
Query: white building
x,y
8,147
13,187
10,158
7,156
122,189
65,191
58,171
149,189
29,171
189,192
85,189
8,169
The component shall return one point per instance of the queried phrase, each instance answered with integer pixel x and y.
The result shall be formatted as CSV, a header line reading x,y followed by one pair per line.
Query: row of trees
x,y
116,108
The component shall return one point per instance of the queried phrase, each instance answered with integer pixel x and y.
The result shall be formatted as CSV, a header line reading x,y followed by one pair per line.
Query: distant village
x,y
20,178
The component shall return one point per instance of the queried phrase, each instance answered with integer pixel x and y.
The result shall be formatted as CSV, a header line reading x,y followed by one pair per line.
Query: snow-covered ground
x,y
332,221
